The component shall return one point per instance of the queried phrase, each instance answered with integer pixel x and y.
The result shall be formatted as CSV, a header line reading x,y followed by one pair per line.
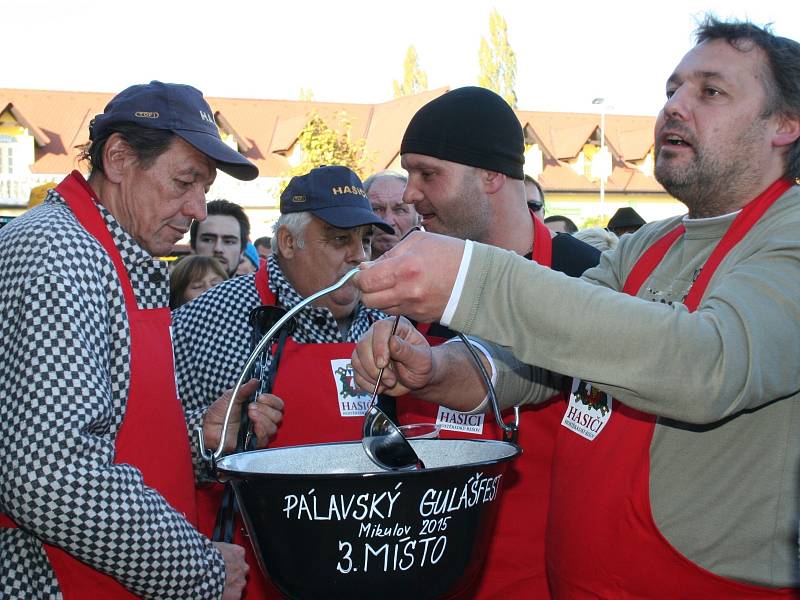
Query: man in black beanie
x,y
464,153
471,126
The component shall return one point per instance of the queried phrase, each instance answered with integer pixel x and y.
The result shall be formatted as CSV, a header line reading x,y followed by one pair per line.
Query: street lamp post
x,y
603,174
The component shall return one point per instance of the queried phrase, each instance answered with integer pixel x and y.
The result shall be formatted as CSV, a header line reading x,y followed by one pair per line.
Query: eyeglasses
x,y
535,206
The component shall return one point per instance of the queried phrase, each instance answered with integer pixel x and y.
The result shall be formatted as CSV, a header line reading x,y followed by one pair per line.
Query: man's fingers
x,y
271,400
367,384
381,331
376,349
385,301
400,350
375,277
371,354
408,357
266,414
365,376
215,416
362,360
378,284
247,390
361,377
411,359
406,281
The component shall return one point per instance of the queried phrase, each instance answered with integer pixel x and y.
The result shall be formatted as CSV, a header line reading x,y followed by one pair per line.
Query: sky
x,y
568,52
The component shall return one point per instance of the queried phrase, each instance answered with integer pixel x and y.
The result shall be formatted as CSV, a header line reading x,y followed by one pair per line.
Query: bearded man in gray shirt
x,y
675,471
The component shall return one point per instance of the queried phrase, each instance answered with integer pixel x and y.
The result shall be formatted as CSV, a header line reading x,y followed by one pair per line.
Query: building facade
x,y
588,166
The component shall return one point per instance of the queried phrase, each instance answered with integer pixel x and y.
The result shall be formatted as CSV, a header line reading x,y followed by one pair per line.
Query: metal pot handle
x,y
212,457
510,432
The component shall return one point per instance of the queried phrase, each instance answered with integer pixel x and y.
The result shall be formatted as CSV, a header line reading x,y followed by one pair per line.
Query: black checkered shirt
x,y
212,336
64,347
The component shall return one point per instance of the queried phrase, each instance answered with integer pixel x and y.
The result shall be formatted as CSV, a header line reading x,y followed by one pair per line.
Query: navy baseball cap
x,y
335,195
182,110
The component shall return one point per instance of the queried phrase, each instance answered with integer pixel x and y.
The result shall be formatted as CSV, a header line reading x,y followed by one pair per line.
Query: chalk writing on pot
x,y
396,529
477,489
391,556
340,507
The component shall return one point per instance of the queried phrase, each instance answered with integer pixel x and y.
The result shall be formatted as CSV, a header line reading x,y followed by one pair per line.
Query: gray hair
x,y
296,223
383,175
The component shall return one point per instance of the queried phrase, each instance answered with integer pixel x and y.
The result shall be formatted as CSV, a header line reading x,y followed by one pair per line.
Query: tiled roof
x,y
272,126
63,117
38,135
389,122
563,134
267,129
632,137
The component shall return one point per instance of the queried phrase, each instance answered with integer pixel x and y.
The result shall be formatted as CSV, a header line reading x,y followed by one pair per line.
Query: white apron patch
x,y
352,401
588,411
452,420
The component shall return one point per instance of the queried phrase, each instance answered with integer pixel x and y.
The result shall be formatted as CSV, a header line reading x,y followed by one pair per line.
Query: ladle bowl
x,y
385,444
382,439
325,522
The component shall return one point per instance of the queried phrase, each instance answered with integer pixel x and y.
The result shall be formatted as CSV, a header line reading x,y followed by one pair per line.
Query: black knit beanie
x,y
471,126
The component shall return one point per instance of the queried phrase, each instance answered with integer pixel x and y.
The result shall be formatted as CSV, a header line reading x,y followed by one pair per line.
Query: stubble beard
x,y
695,184
469,216
705,184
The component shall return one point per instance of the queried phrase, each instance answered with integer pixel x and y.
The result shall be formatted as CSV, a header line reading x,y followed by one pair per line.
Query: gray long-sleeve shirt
x,y
723,380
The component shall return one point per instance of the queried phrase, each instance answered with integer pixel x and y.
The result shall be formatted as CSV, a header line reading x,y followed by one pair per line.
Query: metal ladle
x,y
382,440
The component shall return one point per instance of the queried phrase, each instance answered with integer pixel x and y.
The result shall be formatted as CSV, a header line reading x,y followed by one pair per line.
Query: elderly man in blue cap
x,y
324,231
97,486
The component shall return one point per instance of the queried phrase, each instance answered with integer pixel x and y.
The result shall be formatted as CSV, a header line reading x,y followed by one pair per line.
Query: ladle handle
x,y
213,456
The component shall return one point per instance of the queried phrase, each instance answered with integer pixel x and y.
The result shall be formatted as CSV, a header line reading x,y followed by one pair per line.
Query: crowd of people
x,y
653,365
191,275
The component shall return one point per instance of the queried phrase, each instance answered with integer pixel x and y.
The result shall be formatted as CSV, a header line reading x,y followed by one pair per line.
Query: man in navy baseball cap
x,y
325,229
180,109
334,194
100,303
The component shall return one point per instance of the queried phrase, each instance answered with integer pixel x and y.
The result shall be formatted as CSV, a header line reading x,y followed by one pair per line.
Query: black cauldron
x,y
325,524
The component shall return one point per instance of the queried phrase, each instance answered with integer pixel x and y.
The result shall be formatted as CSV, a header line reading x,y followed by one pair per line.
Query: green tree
x,y
498,62
414,78
322,144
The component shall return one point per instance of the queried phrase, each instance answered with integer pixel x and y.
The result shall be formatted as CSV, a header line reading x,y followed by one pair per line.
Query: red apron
x,y
153,435
309,384
616,550
515,563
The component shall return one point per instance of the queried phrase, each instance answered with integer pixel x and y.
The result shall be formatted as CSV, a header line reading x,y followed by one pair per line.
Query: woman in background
x,y
192,276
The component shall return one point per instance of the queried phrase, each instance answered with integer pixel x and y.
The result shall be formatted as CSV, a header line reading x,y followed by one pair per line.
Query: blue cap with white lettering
x,y
177,108
335,195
